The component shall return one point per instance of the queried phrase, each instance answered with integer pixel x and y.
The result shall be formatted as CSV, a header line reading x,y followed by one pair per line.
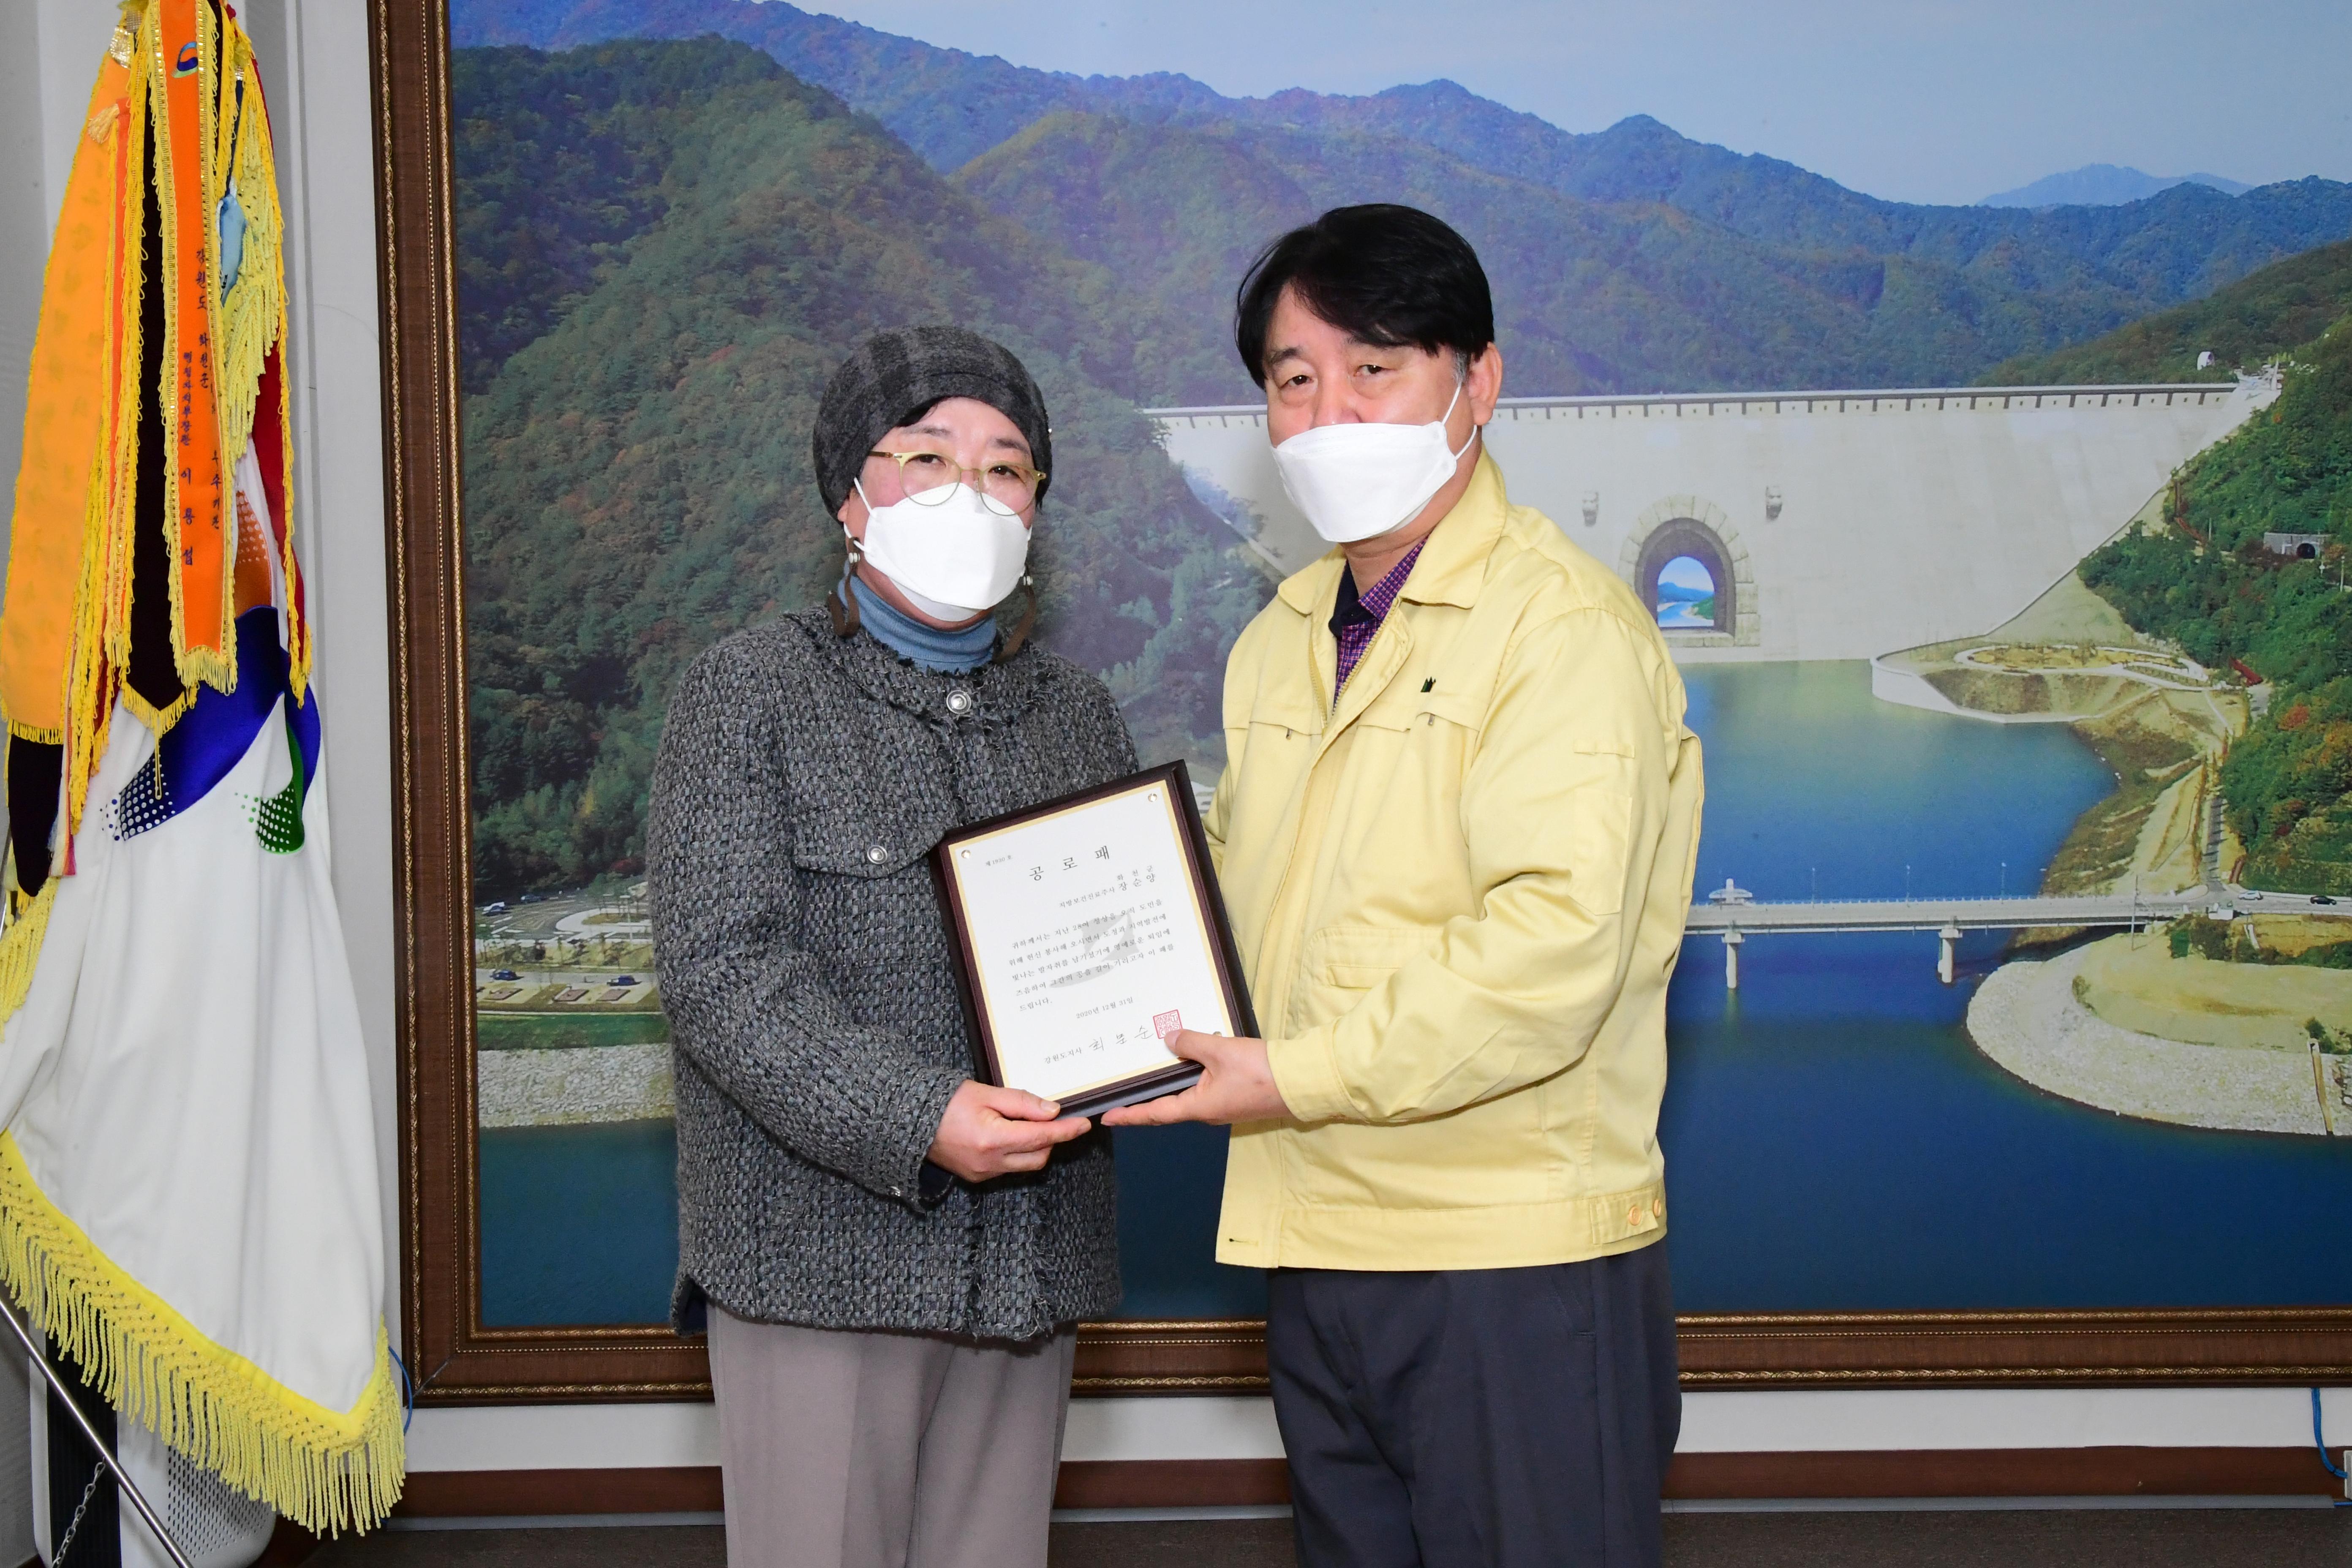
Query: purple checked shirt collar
x,y
1357,617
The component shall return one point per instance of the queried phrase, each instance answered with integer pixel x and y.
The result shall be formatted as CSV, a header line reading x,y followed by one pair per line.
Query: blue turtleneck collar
x,y
929,648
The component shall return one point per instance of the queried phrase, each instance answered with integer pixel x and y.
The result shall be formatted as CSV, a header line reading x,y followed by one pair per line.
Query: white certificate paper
x,y
1087,946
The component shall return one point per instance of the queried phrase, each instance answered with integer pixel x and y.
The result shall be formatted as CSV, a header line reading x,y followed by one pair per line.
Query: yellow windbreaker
x,y
1458,895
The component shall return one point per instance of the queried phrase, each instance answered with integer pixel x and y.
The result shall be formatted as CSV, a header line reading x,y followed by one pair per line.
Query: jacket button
x,y
876,854
959,701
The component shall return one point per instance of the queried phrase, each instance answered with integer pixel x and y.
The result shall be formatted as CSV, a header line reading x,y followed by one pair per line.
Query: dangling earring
x,y
840,602
1020,633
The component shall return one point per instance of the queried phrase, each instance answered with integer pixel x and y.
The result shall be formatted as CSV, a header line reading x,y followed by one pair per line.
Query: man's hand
x,y
989,1132
1238,1085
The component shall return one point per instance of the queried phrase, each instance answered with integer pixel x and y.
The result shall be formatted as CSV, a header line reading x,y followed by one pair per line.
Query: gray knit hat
x,y
893,376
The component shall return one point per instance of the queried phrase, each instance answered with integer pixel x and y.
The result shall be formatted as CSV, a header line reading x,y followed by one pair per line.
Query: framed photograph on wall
x,y
1986,1065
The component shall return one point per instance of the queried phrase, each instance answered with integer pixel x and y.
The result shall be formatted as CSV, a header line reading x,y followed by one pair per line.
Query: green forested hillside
x,y
948,105
1590,297
2206,581
1587,297
560,162
2244,325
1100,188
638,477
1662,249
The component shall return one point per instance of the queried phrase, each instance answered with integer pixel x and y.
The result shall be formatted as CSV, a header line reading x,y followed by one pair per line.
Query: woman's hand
x,y
989,1132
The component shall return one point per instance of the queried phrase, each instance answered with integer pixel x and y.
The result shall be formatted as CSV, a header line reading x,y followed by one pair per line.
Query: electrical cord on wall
x,y
2333,1467
408,1398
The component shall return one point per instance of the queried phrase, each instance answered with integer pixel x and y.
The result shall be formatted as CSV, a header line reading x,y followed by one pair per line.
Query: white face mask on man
x,y
1357,481
952,554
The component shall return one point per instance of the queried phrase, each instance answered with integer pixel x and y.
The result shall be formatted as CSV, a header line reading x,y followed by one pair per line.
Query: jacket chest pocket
x,y
1279,718
1418,702
1416,747
866,844
1277,745
1448,716
868,799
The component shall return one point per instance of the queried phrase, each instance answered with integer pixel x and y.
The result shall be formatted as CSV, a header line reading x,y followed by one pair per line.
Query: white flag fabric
x,y
188,1186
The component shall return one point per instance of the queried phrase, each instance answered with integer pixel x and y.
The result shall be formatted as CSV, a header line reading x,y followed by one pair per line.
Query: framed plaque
x,y
1088,932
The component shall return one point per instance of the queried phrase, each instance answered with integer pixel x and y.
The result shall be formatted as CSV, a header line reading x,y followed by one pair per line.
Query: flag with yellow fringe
x,y
189,1205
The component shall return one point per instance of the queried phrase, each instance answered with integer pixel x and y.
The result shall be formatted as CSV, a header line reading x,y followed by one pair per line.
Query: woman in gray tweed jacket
x,y
889,1256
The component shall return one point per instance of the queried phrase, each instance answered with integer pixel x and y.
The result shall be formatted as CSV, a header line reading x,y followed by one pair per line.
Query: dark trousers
x,y
1477,1418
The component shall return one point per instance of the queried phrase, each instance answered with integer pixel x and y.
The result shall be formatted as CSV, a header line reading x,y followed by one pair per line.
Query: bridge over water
x,y
1950,918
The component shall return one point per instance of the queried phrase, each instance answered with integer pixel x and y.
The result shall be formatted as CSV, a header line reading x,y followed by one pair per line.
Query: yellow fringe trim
x,y
298,622
101,595
254,314
159,719
256,317
155,71
20,949
35,732
116,482
325,1470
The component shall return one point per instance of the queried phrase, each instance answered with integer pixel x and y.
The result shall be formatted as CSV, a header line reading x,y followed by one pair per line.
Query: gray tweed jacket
x,y
816,1030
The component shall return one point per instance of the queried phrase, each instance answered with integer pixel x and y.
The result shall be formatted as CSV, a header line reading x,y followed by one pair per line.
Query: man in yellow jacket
x,y
1455,834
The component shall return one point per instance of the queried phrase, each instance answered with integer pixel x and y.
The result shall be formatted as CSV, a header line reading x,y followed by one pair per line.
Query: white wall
x,y
1766,1421
45,82
314,64
24,236
315,57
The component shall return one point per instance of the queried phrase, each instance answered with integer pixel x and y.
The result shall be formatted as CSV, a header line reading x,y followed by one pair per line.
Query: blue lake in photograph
x,y
1834,1140
579,1223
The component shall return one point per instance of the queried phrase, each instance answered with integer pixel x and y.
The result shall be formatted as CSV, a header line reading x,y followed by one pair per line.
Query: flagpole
x,y
98,1445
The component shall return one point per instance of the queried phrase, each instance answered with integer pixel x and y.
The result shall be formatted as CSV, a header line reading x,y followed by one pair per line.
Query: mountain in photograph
x,y
2211,580
2246,573
1589,297
2104,185
665,244
2244,325
697,239
1630,259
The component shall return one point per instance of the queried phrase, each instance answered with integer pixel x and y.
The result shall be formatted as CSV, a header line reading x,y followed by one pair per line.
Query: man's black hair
x,y
1381,273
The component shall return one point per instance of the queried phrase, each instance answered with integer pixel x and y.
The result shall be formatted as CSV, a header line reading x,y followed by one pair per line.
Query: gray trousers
x,y
885,1450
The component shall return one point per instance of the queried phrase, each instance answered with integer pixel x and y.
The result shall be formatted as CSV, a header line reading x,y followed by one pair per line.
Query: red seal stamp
x,y
1166,1024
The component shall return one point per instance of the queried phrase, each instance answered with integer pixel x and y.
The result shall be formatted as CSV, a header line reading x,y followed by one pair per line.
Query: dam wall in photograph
x,y
1834,525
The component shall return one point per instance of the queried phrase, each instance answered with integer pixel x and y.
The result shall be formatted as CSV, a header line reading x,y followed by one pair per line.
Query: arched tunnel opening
x,y
1686,580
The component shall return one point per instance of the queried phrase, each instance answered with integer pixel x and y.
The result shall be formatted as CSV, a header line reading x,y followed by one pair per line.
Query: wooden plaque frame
x,y
457,1358
1207,904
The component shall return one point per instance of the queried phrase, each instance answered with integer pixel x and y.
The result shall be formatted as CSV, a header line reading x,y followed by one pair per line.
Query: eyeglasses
x,y
1006,487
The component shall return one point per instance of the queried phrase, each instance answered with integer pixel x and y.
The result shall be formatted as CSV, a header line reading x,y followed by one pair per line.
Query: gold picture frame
x,y
455,1358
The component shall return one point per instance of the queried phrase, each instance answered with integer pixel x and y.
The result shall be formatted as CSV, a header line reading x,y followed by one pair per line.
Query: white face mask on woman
x,y
1356,482
952,555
